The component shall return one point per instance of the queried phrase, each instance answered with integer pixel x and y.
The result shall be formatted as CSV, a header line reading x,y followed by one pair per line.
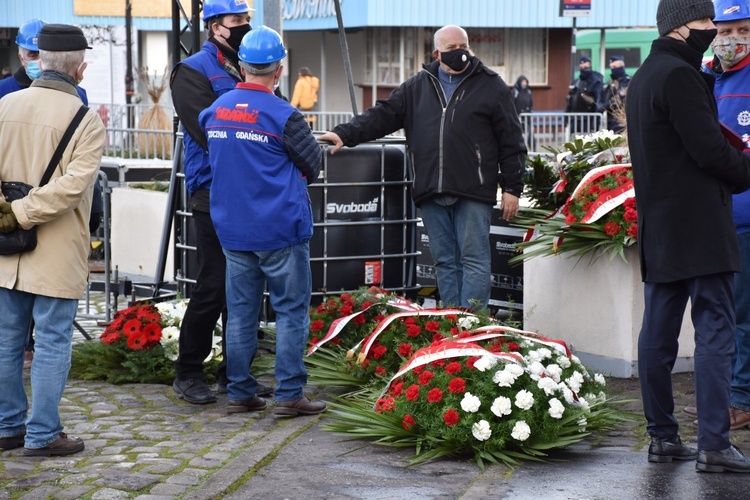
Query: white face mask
x,y
731,49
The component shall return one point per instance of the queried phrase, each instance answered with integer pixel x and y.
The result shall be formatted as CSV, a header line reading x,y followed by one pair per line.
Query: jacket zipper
x,y
441,93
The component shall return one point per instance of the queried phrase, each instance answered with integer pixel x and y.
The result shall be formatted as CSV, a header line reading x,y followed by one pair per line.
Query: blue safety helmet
x,y
731,10
28,34
213,8
262,46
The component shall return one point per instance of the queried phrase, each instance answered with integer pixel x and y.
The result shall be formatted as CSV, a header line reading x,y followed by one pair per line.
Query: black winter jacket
x,y
684,169
464,147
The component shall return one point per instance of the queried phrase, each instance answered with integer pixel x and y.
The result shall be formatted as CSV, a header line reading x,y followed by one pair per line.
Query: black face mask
x,y
700,40
457,60
235,35
617,73
585,73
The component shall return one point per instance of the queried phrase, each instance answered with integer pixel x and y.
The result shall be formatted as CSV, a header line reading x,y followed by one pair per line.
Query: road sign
x,y
575,8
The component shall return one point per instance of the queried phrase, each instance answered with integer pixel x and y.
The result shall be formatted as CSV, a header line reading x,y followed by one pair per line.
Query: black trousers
x,y
712,313
207,303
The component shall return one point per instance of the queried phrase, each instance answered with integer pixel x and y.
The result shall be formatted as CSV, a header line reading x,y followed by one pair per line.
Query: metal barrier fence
x,y
139,144
552,130
116,115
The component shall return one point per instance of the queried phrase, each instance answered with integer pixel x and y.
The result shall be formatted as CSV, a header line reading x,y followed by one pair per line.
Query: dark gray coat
x,y
684,169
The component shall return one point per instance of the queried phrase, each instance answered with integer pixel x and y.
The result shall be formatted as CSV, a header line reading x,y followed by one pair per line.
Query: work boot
x,y
193,391
728,460
301,406
664,450
243,406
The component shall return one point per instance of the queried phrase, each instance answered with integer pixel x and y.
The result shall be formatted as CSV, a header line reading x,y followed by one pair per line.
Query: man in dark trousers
x,y
196,83
685,172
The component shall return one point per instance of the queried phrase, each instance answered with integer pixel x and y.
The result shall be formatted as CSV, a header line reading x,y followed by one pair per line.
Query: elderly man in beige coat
x,y
45,284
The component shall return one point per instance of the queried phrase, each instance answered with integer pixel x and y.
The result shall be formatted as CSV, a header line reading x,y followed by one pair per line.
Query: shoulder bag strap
x,y
63,144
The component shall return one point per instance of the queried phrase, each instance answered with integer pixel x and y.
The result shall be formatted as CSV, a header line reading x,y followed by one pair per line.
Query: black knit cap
x,y
61,38
671,14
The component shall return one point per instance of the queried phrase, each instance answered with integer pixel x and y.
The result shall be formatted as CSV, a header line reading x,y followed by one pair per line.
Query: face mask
x,y
457,60
33,69
235,35
524,86
731,49
585,73
700,40
617,73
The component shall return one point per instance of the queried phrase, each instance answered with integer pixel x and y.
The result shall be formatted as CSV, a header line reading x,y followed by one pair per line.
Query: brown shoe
x,y
64,445
738,419
246,405
691,410
11,442
301,406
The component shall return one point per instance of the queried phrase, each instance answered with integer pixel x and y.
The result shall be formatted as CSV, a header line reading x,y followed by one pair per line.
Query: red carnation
x,y
633,231
317,325
432,326
453,368
379,351
385,404
410,320
587,206
450,417
413,331
512,346
365,363
397,389
320,309
336,340
470,362
412,393
405,350
314,340
612,228
451,317
594,188
366,304
457,385
345,297
630,215
570,219
425,377
419,369
379,318
359,320
438,362
380,370
438,337
435,395
629,203
407,422
463,334
345,311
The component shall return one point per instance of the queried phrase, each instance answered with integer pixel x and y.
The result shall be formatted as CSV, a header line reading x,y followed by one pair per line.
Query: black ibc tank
x,y
365,224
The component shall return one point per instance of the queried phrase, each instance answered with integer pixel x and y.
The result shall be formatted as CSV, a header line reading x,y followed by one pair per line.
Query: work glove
x,y
8,222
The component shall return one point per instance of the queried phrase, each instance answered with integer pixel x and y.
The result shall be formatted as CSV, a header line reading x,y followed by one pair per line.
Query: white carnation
x,y
548,385
568,394
467,322
584,404
515,369
599,378
503,378
481,430
485,363
554,371
575,359
563,361
470,403
544,353
582,424
524,399
533,356
556,408
521,431
501,406
575,381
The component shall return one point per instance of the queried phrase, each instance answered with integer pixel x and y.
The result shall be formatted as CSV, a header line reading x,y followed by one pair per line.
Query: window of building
x,y
392,54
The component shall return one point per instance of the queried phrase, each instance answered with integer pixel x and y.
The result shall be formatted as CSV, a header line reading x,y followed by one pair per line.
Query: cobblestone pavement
x,y
143,442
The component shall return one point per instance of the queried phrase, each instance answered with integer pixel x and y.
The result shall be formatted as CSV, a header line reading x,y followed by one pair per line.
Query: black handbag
x,y
24,240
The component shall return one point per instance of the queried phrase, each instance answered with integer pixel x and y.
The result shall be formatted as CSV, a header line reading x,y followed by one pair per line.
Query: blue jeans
x,y
460,246
287,272
739,396
53,331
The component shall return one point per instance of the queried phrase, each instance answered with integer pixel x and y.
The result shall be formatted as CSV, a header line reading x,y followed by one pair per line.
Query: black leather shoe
x,y
11,442
729,460
193,391
260,390
246,405
664,450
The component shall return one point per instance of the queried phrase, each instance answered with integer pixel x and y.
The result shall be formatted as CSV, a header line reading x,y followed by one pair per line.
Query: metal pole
x,y
195,26
573,64
129,62
345,55
272,15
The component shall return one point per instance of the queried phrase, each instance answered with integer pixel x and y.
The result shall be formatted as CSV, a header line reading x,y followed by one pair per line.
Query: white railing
x,y
138,144
552,130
